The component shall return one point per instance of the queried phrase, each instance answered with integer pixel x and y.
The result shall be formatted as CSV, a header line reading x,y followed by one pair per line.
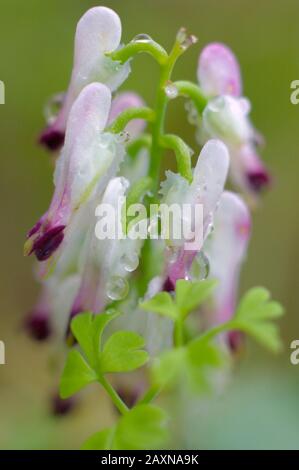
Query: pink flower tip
x,y
218,71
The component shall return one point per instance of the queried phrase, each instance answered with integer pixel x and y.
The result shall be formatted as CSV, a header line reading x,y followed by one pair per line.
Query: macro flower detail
x,y
226,250
98,32
226,117
139,272
209,178
87,161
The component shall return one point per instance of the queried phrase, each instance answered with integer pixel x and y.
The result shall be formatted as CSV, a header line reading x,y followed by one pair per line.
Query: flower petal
x,y
218,71
226,250
122,102
88,160
98,31
248,171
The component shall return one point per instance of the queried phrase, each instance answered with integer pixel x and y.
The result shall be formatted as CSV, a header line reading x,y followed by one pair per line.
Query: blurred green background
x,y
260,406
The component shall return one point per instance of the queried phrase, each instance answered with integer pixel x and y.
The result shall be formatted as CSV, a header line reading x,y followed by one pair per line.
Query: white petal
x,y
210,174
98,30
226,250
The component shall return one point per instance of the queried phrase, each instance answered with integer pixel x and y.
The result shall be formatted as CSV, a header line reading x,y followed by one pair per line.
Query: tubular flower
x,y
226,250
209,177
98,32
226,116
89,158
109,261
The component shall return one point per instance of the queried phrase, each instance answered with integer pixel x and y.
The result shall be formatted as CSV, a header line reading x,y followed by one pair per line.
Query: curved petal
x,y
208,183
248,171
218,71
226,250
88,160
98,31
226,118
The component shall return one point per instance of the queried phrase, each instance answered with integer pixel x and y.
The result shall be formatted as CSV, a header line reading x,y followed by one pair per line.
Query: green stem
x,y
126,116
192,91
216,330
135,47
178,333
182,153
143,141
120,405
150,395
161,104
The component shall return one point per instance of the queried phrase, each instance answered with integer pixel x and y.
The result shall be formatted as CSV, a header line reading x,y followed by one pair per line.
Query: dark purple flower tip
x,y
168,285
258,180
235,341
60,407
45,245
38,326
52,139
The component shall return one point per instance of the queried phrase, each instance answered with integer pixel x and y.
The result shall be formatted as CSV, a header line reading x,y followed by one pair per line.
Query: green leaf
x,y
122,352
143,427
253,315
101,440
87,329
265,333
167,368
76,374
190,295
162,303
203,357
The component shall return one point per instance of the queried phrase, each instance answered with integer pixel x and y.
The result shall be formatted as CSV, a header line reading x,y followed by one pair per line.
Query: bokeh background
x,y
260,407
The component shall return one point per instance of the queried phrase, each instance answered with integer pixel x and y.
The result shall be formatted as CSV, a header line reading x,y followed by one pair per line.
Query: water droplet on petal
x,y
53,107
110,311
171,91
117,288
142,38
200,267
130,261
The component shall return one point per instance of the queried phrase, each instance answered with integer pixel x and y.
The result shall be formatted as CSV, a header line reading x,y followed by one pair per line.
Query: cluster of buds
x,y
106,154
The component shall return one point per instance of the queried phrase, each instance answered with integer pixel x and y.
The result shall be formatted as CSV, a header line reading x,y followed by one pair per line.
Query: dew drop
x,y
142,38
171,91
110,311
53,107
117,288
130,261
200,267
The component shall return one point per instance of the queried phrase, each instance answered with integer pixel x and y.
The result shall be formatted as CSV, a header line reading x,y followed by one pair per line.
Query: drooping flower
x,y
110,259
89,158
98,32
209,177
226,250
226,116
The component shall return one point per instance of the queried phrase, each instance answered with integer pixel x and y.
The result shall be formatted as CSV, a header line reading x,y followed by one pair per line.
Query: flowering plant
x,y
153,305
